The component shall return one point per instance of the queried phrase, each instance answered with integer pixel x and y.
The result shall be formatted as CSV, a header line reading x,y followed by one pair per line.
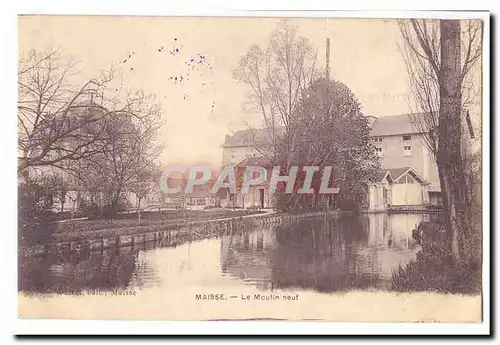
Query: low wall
x,y
172,235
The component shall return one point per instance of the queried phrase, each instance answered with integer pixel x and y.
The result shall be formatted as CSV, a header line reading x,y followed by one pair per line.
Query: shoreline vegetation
x,y
434,269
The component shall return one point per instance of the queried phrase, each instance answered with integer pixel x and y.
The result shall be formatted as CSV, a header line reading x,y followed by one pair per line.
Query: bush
x,y
102,209
434,269
34,214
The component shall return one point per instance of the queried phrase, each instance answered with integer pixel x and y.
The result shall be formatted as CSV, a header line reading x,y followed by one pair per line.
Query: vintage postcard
x,y
264,168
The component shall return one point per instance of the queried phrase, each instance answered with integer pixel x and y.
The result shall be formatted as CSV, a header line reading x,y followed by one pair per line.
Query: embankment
x,y
161,234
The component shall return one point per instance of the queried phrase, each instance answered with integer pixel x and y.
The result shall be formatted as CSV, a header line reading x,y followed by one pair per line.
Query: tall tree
x,y
277,74
329,129
421,51
440,55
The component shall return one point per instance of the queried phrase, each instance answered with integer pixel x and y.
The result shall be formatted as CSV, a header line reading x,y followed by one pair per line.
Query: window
x,y
407,151
377,139
406,137
379,149
200,202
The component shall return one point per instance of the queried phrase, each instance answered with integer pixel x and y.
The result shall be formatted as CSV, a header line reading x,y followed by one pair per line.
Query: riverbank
x,y
162,233
125,223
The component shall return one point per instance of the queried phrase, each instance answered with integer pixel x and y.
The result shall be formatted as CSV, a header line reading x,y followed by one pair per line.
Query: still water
x,y
322,255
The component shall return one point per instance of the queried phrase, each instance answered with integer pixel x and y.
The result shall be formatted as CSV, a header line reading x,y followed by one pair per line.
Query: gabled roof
x,y
395,174
397,124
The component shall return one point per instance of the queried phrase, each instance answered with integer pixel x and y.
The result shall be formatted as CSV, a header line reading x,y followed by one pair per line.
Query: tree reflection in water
x,y
78,271
322,254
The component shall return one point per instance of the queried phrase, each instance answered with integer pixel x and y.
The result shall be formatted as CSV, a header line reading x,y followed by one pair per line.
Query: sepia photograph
x,y
251,168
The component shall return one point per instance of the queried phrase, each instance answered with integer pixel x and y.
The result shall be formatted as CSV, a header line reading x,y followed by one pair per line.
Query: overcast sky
x,y
206,104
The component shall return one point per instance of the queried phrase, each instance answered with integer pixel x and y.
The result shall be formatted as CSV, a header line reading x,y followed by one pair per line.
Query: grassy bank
x,y
125,224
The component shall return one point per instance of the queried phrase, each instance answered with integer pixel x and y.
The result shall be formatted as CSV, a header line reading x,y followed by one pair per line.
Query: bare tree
x,y
143,184
277,76
421,51
58,186
57,119
439,55
130,147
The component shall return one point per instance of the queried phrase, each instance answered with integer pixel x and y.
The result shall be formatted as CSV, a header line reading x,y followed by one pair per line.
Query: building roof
x,y
380,126
250,137
396,174
397,124
255,161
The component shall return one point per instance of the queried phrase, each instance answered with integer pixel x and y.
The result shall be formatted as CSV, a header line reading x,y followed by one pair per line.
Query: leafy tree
x,y
329,129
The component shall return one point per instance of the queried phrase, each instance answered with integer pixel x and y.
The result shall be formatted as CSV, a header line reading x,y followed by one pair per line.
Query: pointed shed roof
x,y
397,173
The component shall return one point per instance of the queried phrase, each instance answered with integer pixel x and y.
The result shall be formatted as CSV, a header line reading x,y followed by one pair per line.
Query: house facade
x,y
399,144
397,187
257,196
240,150
402,150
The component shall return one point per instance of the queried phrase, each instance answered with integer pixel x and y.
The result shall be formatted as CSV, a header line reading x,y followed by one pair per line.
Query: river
x,y
305,260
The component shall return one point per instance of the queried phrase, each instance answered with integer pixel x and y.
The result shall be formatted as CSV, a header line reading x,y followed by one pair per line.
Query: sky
x,y
204,103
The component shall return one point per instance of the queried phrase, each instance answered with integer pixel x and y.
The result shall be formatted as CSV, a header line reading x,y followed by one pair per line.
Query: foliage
x,y
33,201
34,209
435,269
329,129
103,207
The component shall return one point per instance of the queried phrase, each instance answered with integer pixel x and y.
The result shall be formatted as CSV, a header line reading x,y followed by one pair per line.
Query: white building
x,y
401,147
397,187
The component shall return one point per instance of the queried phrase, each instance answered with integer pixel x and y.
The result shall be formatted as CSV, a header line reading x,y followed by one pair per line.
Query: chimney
x,y
328,59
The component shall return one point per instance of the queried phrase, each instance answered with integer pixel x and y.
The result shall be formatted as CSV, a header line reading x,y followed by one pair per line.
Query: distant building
x,y
258,196
201,197
399,144
401,147
246,144
247,148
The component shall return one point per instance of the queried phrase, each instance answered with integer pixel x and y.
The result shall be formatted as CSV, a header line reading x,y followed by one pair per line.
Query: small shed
x,y
402,186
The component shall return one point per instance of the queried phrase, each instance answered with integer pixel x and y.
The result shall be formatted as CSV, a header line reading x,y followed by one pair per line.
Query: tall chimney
x,y
328,59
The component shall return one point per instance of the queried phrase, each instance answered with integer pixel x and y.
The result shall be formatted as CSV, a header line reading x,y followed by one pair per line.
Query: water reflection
x,y
322,254
74,272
